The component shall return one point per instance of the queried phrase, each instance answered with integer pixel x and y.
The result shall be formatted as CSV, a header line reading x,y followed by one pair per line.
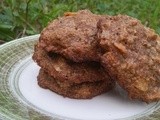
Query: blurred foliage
x,y
19,18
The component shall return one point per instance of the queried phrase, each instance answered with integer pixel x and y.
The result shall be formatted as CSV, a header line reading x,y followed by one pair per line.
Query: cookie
x,y
131,55
84,90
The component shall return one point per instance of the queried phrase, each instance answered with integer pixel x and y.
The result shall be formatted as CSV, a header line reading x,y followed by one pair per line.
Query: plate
x,y
22,99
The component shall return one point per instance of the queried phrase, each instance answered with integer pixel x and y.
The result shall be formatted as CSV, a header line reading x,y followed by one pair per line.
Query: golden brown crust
x,y
131,56
73,36
65,70
78,91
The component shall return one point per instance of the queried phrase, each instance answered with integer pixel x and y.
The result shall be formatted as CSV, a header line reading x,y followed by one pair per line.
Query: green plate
x,y
12,107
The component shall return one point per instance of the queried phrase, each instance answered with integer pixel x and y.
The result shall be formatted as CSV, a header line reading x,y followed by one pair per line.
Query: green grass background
x,y
20,18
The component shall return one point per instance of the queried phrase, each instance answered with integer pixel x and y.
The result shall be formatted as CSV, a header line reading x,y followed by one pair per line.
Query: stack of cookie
x,y
75,51
68,55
